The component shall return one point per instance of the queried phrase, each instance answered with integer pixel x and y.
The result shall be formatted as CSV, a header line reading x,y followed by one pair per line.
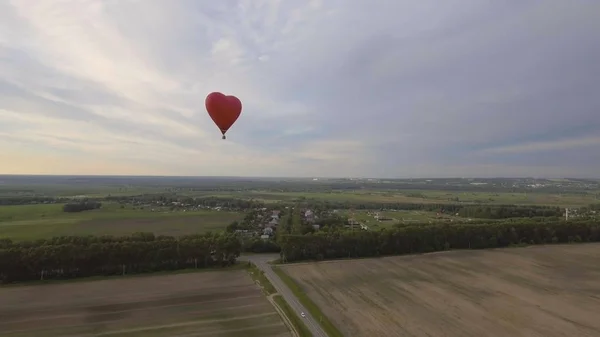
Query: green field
x,y
41,221
274,192
368,218
504,198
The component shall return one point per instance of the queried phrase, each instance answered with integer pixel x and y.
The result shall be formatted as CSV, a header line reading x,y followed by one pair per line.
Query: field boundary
x,y
291,320
237,266
315,311
283,315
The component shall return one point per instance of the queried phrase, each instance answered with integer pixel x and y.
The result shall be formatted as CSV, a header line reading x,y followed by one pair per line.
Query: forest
x,y
70,257
333,244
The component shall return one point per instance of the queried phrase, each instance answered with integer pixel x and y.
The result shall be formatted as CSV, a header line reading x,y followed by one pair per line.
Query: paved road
x,y
261,261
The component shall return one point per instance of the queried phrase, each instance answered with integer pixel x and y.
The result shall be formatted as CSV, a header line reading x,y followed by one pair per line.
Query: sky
x,y
330,88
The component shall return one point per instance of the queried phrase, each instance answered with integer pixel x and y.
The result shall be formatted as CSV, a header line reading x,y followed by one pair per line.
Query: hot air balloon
x,y
224,110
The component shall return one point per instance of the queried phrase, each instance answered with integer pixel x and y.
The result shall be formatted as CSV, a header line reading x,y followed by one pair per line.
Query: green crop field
x,y
46,220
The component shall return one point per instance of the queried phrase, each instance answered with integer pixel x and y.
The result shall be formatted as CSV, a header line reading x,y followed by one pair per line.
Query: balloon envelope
x,y
223,110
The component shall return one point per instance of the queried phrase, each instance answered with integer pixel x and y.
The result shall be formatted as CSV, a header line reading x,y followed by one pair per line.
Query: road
x,y
261,262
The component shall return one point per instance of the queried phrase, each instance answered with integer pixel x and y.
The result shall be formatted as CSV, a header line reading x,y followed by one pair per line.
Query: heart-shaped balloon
x,y
224,110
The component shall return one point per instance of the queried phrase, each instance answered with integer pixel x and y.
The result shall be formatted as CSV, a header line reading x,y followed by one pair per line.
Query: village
x,y
264,222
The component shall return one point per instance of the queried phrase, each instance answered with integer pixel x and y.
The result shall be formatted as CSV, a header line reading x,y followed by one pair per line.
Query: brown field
x,y
207,304
534,291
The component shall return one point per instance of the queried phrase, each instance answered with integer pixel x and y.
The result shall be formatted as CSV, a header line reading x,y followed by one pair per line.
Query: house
x,y
268,231
265,237
380,217
309,216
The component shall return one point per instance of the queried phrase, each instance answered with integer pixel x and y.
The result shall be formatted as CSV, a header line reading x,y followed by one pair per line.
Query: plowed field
x,y
198,304
535,291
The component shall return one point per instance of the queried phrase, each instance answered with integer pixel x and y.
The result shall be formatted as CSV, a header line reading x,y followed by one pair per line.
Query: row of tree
x,y
72,257
505,212
331,244
465,210
258,245
80,206
22,200
232,203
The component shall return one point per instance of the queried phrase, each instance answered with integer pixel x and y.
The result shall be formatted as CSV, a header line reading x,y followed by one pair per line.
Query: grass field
x,y
367,217
422,197
226,303
532,291
40,221
269,196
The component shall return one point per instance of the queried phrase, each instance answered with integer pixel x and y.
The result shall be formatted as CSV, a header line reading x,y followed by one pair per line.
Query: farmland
x,y
518,191
393,217
47,220
226,303
533,291
430,197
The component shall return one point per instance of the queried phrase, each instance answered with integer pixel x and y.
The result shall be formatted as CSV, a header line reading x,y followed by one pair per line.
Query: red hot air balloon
x,y
224,110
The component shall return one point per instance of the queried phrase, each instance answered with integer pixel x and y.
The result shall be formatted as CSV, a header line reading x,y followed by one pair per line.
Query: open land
x,y
393,217
518,191
46,220
426,197
226,303
532,291
34,221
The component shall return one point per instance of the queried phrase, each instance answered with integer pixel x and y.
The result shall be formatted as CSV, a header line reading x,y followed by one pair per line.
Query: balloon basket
x,y
224,137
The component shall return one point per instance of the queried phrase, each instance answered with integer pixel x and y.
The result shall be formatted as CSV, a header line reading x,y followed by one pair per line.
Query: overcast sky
x,y
396,88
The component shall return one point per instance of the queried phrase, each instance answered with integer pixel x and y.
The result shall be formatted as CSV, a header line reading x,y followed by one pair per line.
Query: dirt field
x,y
199,304
534,291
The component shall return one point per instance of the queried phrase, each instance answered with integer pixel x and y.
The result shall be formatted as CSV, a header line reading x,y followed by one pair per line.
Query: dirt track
x,y
199,304
535,291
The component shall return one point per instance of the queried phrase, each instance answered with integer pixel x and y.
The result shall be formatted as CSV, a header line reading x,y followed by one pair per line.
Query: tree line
x,y
508,211
69,257
472,210
233,203
80,206
336,243
12,201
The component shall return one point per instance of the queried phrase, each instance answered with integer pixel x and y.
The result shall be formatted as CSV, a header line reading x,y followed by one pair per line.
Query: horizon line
x,y
282,177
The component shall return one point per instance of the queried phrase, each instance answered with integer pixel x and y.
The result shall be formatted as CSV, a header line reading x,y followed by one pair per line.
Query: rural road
x,y
261,262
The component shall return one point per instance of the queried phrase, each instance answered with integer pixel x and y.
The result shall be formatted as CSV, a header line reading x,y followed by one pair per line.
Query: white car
x,y
302,314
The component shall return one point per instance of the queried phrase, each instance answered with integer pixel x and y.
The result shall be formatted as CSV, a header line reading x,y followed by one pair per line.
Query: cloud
x,y
554,145
330,88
